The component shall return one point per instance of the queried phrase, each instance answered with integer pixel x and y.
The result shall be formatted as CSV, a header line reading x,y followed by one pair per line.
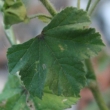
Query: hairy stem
x,y
93,7
93,86
78,4
88,5
49,7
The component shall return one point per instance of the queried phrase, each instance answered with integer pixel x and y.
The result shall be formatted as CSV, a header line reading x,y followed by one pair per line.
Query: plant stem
x,y
89,66
93,7
49,7
93,86
88,5
39,15
1,4
78,4
98,97
10,36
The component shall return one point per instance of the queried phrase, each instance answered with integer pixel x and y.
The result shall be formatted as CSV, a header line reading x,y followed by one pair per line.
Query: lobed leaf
x,y
54,58
38,64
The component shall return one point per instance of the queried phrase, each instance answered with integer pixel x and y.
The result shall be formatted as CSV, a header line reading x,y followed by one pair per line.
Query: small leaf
x,y
54,58
14,12
43,18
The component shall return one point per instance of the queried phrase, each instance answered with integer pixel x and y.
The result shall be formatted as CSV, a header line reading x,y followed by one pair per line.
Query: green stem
x,y
10,36
1,4
89,66
98,97
93,86
78,4
39,15
88,5
49,7
94,6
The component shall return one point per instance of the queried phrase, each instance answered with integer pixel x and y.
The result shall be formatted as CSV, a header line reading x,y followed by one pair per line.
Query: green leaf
x,y
13,97
12,87
69,26
69,18
14,12
54,58
17,102
44,18
54,102
38,65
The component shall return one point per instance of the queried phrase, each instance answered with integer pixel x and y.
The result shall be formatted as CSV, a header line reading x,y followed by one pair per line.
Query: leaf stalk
x,y
40,15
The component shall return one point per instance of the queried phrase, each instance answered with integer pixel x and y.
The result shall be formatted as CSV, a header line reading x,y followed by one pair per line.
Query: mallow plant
x,y
48,71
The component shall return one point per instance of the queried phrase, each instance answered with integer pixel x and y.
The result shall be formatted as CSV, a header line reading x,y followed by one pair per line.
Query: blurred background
x,y
100,20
